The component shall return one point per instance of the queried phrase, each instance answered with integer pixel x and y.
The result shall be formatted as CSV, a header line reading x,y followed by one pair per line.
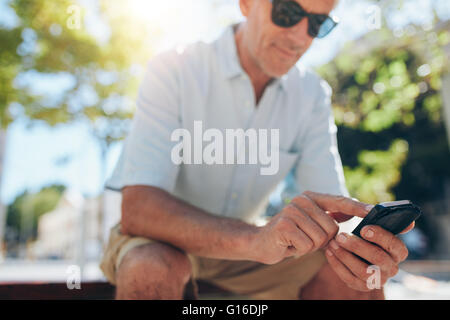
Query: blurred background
x,y
69,74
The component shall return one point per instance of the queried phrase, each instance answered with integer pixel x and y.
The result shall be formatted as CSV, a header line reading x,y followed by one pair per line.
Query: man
x,y
182,222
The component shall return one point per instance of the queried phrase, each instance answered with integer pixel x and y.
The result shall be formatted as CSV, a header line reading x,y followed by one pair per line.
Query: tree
x,y
387,104
388,93
51,40
24,213
46,42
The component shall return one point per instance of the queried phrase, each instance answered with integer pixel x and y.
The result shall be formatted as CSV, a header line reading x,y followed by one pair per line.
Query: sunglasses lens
x,y
321,26
286,13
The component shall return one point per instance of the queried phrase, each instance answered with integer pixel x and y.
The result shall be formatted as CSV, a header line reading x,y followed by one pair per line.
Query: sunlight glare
x,y
156,10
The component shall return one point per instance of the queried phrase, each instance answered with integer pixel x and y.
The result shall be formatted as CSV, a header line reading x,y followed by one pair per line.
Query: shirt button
x,y
234,195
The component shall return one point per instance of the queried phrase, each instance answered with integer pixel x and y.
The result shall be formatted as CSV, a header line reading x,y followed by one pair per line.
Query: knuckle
x,y
322,239
283,224
309,245
308,193
379,258
404,253
384,279
394,270
391,243
341,199
302,201
289,210
333,230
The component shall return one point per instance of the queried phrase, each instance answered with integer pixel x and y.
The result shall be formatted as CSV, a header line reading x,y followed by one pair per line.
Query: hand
x,y
303,226
379,247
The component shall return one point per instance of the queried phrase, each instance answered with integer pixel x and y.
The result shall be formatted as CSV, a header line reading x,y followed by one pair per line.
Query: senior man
x,y
182,222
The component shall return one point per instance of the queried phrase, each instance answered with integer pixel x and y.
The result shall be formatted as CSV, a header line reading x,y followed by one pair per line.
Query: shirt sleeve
x,y
146,153
319,168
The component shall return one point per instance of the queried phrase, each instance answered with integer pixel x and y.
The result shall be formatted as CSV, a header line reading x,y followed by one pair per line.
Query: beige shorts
x,y
246,278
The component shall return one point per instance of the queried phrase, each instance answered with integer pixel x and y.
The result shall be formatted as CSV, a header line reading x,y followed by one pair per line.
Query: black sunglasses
x,y
287,13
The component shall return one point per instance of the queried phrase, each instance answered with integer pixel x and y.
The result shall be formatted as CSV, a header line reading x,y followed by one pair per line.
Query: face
x,y
275,49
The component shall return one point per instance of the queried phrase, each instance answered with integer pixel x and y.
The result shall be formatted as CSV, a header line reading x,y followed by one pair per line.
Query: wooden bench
x,y
88,291
105,291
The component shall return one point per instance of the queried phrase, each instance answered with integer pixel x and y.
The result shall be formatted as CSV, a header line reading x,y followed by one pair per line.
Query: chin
x,y
278,71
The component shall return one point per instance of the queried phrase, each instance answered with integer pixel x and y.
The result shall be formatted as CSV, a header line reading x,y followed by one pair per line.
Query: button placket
x,y
249,111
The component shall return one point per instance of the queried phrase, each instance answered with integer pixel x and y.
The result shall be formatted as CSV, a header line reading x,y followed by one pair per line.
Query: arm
x,y
147,179
154,213
298,229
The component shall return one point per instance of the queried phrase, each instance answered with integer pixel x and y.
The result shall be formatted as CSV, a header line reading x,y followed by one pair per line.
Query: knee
x,y
154,265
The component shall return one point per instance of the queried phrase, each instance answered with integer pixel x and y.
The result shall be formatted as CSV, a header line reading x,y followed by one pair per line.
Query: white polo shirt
x,y
205,82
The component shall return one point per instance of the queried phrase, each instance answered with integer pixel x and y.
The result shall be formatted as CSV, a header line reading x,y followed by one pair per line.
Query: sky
x,y
68,154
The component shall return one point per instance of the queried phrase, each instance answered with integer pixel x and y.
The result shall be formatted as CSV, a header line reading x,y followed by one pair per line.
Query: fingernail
x,y
341,238
334,245
369,207
368,233
328,252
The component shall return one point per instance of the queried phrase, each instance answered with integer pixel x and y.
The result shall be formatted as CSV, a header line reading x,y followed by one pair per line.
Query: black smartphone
x,y
393,216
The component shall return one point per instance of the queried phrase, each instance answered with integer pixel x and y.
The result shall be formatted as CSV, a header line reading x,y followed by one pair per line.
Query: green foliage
x,y
23,214
377,173
46,44
388,109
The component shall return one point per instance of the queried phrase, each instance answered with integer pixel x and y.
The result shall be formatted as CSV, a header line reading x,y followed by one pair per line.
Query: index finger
x,y
341,204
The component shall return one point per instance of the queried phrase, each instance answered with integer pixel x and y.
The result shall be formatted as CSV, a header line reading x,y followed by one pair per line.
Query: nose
x,y
298,34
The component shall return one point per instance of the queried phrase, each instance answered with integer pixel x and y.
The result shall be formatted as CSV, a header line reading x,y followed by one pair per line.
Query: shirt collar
x,y
229,58
228,55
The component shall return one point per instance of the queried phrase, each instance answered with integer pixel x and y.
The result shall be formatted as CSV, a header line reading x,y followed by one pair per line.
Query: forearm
x,y
153,213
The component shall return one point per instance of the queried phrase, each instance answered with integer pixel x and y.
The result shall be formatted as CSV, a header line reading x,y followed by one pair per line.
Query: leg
x,y
153,271
259,281
326,285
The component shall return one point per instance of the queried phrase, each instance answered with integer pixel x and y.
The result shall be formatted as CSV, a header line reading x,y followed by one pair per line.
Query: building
x,y
73,225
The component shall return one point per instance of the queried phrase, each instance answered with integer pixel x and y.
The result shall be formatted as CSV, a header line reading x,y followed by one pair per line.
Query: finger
x,y
339,216
344,274
409,228
356,266
328,224
307,225
386,240
341,204
369,252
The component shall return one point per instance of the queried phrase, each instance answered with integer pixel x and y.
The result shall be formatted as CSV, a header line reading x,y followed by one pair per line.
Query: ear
x,y
245,6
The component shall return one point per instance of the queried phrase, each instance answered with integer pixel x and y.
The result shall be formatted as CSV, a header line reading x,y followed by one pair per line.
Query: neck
x,y
257,76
